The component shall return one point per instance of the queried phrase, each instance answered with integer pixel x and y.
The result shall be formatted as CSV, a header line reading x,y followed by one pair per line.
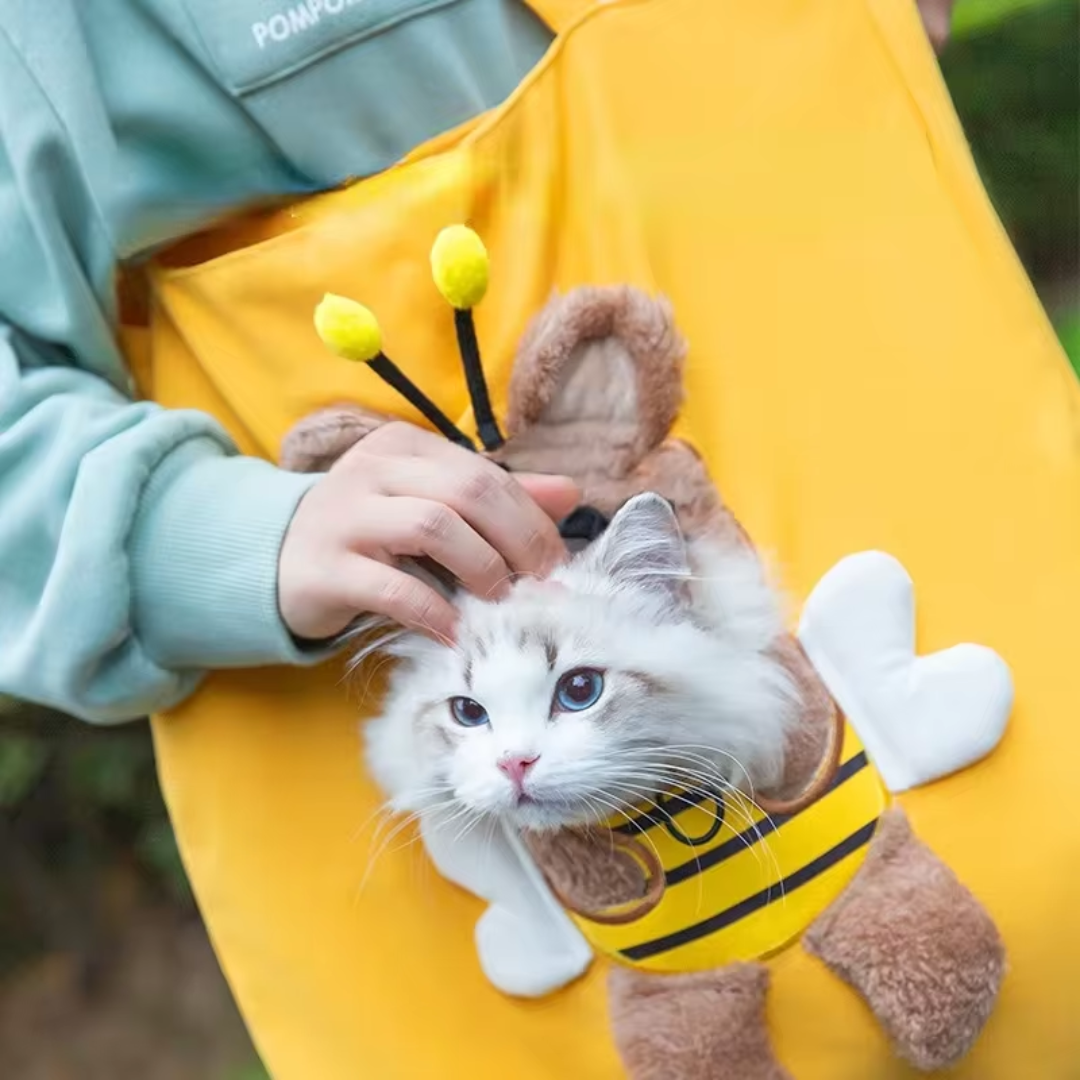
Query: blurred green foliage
x,y
977,15
1069,333
74,800
108,781
253,1072
22,761
1016,83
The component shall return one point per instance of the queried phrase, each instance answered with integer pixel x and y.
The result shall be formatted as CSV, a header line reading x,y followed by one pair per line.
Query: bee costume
x,y
737,883
699,883
866,368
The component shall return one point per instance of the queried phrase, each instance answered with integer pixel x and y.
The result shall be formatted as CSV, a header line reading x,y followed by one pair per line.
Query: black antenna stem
x,y
486,426
390,373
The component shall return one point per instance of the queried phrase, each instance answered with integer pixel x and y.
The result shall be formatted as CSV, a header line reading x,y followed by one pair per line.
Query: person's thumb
x,y
555,495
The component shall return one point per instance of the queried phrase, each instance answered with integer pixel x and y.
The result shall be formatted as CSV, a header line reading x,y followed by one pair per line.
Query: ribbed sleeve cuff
x,y
204,561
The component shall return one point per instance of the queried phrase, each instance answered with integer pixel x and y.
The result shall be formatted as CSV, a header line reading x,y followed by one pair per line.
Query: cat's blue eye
x,y
579,689
468,713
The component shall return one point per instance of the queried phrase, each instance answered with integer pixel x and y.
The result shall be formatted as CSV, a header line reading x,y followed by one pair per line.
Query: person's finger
x,y
555,495
401,439
371,586
488,498
411,526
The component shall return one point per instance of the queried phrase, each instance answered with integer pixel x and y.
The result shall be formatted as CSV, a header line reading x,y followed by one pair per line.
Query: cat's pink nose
x,y
517,765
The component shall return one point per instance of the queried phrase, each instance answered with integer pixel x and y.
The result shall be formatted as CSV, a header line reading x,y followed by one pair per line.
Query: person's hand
x,y
399,492
937,18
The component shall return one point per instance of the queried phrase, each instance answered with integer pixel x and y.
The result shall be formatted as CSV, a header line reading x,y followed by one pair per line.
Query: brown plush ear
x,y
316,442
596,385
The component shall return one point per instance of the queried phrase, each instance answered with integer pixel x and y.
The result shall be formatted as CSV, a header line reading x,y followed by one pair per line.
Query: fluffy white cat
x,y
642,664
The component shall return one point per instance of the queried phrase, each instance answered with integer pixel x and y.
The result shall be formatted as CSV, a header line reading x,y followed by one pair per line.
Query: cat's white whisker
x,y
470,823
630,820
489,841
737,797
384,848
519,575
429,794
733,804
382,810
675,689
707,757
685,750
371,648
697,863
456,815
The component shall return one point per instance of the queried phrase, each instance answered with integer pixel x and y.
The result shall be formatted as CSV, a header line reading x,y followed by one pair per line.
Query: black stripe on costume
x,y
751,835
657,816
755,902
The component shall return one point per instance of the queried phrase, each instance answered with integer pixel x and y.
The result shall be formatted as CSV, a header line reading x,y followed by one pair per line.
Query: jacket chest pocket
x,y
346,88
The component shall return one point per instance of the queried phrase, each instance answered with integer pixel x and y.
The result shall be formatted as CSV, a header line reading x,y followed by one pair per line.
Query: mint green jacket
x,y
137,548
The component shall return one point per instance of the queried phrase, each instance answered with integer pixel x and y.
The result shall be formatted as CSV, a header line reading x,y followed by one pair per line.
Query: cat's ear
x,y
643,547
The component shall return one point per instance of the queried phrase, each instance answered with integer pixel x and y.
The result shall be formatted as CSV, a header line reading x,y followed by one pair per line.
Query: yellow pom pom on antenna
x,y
347,328
460,266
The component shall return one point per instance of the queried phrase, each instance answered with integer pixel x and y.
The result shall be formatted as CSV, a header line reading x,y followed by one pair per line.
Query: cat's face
x,y
554,714
576,698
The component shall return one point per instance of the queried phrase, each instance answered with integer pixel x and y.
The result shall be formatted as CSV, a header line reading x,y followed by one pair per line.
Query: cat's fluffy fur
x,y
683,635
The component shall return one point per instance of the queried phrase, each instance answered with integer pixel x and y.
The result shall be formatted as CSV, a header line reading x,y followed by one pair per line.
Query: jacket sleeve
x,y
137,548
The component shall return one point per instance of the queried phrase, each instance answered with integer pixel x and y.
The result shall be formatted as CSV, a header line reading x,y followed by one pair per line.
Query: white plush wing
x,y
919,717
527,944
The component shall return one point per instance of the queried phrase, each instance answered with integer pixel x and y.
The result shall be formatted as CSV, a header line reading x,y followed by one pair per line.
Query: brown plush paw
x,y
916,945
314,443
708,1025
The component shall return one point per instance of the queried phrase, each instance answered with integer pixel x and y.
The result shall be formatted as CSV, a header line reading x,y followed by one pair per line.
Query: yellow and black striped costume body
x,y
740,884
